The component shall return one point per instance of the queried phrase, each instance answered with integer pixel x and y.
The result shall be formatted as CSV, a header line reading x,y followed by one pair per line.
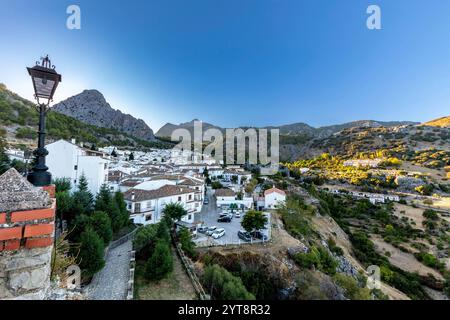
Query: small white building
x,y
274,197
67,160
226,197
146,206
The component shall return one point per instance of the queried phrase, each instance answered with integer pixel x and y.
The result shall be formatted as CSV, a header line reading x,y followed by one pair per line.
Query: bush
x,y
91,255
223,285
187,245
160,264
318,257
351,288
101,224
144,241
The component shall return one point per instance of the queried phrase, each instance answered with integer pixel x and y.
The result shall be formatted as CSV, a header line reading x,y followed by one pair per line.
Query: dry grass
x,y
177,286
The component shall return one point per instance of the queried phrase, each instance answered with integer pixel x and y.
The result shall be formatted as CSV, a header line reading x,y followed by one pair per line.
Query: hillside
x,y
441,122
19,120
91,107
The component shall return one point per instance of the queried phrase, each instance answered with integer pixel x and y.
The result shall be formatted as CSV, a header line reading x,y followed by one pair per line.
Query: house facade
x,y
274,197
67,160
146,206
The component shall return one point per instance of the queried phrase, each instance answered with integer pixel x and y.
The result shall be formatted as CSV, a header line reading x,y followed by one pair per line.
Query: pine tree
x,y
160,263
4,159
91,252
83,199
103,199
101,224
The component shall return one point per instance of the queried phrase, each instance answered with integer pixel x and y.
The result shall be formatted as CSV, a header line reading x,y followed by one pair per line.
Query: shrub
x,y
351,288
91,254
101,224
144,240
160,264
187,244
223,285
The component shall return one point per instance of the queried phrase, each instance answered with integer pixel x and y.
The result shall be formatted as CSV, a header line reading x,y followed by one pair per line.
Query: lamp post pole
x,y
39,175
45,80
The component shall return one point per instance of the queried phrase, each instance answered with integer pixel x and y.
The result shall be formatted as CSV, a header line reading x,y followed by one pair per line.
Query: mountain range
x,y
295,129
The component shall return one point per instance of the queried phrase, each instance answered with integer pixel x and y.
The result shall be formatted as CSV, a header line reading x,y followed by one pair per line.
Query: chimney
x,y
73,141
132,196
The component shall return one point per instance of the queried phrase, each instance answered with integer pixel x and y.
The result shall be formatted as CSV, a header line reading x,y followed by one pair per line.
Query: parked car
x,y
224,219
259,235
218,233
211,230
205,201
237,215
202,229
244,235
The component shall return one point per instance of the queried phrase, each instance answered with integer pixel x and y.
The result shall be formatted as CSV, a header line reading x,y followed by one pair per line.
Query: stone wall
x,y
26,238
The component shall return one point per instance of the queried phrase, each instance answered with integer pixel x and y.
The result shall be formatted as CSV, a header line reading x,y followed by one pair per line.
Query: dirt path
x,y
177,286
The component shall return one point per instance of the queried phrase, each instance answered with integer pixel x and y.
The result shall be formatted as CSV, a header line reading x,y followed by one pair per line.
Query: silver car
x,y
218,233
211,230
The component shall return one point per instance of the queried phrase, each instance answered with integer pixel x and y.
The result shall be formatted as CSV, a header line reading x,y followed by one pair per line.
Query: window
x,y
190,197
189,217
179,198
148,217
75,167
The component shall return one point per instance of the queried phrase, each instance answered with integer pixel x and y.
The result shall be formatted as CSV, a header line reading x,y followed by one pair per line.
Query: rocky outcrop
x,y
91,107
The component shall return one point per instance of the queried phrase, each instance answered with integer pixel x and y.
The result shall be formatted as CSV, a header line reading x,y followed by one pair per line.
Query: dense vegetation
x,y
91,222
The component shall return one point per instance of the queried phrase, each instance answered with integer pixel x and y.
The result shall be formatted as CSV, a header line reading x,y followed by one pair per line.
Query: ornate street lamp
x,y
45,80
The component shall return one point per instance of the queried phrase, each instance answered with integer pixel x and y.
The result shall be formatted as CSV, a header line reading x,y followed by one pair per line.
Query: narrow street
x,y
111,282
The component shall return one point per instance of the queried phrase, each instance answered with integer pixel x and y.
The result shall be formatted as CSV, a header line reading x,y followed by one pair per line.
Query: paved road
x,y
111,282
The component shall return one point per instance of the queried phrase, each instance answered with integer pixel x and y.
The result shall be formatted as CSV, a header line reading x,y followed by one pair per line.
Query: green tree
x,y
144,241
91,256
216,185
160,264
131,157
187,244
83,200
114,153
101,224
4,159
64,209
253,220
62,184
222,285
162,232
174,211
103,199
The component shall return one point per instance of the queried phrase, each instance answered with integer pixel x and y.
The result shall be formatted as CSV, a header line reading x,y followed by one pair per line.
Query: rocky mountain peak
x,y
91,107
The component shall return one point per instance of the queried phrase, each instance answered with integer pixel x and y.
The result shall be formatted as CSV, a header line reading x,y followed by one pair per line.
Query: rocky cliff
x,y
91,107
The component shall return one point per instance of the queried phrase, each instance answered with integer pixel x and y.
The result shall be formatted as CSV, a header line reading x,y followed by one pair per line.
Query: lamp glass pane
x,y
43,87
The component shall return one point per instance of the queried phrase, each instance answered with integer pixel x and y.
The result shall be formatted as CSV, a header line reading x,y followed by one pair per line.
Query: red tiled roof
x,y
271,190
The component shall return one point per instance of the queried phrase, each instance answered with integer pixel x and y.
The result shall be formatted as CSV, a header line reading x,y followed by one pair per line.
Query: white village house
x,y
274,197
226,197
146,206
68,160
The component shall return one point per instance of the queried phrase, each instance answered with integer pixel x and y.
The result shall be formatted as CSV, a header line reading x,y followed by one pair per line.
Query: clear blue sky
x,y
239,62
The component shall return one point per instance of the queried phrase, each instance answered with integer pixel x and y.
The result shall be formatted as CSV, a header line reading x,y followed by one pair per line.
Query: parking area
x,y
209,215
